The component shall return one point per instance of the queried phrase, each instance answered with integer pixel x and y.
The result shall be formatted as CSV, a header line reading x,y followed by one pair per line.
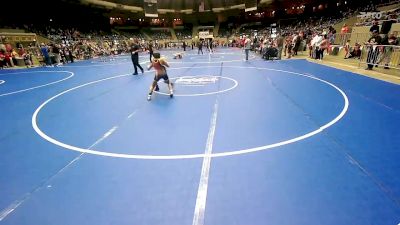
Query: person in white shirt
x,y
315,42
247,46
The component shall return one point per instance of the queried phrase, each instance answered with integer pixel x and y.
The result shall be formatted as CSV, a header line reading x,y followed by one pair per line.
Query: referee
x,y
135,56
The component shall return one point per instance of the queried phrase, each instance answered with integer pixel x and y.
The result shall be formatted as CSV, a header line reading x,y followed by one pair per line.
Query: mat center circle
x,y
191,156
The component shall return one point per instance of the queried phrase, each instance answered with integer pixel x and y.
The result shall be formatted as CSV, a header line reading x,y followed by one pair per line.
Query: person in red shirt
x,y
344,34
345,29
8,59
322,46
2,59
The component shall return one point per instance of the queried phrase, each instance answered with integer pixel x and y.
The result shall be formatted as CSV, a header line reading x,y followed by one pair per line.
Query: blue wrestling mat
x,y
242,142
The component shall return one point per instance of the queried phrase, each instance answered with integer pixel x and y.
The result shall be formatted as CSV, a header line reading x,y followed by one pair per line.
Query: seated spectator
x,y
386,52
2,59
26,56
393,39
9,59
356,53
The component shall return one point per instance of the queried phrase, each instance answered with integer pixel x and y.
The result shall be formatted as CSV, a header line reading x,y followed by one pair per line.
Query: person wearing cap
x,y
159,64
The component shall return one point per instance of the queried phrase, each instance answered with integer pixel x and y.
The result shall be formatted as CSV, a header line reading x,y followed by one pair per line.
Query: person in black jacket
x,y
151,50
135,56
373,51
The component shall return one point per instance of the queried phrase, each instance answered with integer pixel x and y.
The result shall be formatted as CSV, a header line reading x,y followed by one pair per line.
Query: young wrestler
x,y
178,55
159,65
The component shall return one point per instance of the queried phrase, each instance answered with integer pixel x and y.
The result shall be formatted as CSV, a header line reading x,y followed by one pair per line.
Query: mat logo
x,y
2,81
196,80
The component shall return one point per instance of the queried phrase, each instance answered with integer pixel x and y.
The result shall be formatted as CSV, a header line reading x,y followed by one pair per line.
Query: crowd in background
x,y
317,36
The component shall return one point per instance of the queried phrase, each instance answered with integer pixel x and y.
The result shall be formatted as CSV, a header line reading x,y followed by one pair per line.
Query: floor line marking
x,y
198,218
132,114
13,206
191,156
39,86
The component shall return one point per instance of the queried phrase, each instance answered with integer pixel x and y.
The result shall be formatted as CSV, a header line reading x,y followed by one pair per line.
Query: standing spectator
x,y
71,57
288,46
247,46
279,43
315,45
296,41
374,27
322,46
373,51
56,53
45,53
344,34
331,37
347,49
345,29
387,25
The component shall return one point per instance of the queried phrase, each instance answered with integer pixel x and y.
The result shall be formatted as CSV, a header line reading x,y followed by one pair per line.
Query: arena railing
x,y
341,39
386,56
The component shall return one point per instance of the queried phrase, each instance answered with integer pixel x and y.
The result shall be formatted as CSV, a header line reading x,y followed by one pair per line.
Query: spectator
x,y
45,52
2,58
374,27
345,29
387,24
247,46
387,50
344,34
324,43
279,44
356,53
372,49
347,49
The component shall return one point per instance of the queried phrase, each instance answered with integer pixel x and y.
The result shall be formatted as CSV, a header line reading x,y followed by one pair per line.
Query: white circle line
x,y
206,57
192,156
109,61
39,86
203,94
